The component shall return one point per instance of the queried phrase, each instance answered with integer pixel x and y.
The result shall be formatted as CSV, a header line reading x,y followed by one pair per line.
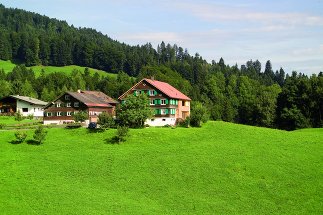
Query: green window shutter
x,y
166,111
166,101
176,102
122,102
155,92
159,101
155,102
135,93
148,93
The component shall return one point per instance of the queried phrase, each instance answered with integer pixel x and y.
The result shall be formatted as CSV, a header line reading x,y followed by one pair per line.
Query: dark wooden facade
x,y
63,109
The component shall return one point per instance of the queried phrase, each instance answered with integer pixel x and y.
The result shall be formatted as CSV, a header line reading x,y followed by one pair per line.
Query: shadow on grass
x,y
96,130
33,142
15,142
112,141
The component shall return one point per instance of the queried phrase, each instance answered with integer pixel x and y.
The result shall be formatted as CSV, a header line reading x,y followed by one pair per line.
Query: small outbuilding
x,y
26,105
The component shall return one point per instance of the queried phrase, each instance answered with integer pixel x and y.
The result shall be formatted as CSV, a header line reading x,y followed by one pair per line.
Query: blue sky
x,y
287,32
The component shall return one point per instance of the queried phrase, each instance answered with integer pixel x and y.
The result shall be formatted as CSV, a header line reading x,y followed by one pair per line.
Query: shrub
x,y
40,134
73,125
183,122
20,136
30,116
199,114
19,116
122,133
2,125
80,116
105,120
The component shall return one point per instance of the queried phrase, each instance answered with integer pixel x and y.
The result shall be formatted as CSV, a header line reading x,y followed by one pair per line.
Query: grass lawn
x,y
7,66
10,120
221,168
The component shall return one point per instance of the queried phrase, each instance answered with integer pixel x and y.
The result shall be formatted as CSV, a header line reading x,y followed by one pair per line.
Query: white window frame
x,y
152,102
59,113
151,92
49,114
68,113
163,111
163,102
67,97
58,104
68,104
76,104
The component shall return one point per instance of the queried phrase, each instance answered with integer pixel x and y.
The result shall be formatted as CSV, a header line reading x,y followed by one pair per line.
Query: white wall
x,y
161,121
36,110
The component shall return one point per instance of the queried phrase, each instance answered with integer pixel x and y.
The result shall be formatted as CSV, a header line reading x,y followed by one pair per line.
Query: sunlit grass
x,y
221,168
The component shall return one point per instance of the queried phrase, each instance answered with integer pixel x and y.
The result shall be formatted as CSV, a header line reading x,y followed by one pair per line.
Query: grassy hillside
x,y
7,66
221,168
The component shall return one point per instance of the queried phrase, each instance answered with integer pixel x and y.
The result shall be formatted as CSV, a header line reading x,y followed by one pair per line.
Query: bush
x,y
2,125
105,120
74,125
184,122
19,116
20,136
30,116
80,116
40,134
199,114
122,133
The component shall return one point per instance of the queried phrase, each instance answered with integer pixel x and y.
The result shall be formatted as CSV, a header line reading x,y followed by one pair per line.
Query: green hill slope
x,y
7,66
221,168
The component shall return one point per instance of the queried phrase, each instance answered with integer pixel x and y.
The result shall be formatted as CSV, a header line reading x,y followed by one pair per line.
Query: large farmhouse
x,y
26,105
62,109
168,103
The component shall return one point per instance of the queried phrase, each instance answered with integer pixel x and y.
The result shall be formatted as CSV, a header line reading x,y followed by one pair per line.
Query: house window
x,y
151,92
58,104
25,110
76,104
164,101
68,104
164,111
69,113
164,119
152,102
49,114
59,113
67,97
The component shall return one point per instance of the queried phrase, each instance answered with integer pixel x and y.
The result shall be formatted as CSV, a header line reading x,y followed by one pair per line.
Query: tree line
x,y
247,94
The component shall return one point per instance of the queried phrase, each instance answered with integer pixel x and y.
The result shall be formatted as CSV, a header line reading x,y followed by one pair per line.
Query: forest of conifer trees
x,y
250,94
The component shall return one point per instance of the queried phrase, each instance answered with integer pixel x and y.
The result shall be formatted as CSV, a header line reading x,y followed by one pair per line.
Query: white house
x,y
26,105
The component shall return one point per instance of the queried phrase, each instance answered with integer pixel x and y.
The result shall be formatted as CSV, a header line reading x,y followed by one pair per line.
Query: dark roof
x,y
164,87
29,100
93,98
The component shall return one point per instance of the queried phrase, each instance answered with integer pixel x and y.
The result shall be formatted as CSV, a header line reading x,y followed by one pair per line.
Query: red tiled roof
x,y
167,89
164,87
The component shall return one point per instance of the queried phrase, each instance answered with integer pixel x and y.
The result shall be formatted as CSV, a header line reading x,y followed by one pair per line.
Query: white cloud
x,y
219,12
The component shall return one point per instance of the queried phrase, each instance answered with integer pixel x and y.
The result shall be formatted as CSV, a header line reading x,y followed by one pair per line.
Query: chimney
x,y
78,91
152,78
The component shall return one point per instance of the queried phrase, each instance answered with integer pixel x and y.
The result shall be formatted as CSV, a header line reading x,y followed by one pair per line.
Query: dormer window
x,y
58,104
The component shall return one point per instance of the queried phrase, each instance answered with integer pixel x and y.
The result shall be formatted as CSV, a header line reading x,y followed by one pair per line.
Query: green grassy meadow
x,y
221,168
7,66
9,120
